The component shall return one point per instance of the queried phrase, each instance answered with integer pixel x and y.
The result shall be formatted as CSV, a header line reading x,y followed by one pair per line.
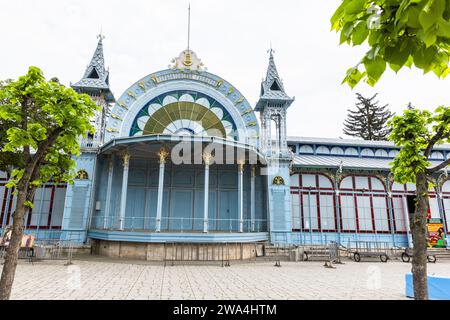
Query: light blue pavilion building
x,y
181,157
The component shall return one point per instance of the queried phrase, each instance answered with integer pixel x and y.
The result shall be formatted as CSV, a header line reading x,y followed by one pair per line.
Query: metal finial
x,y
100,36
189,26
271,51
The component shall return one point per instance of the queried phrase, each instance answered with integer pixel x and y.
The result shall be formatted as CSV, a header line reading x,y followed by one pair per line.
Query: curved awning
x,y
224,151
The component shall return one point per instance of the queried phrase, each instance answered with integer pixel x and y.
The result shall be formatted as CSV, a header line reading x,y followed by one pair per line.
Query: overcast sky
x,y
231,37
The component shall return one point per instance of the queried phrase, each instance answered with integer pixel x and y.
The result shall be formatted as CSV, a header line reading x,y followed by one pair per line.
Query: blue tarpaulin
x,y
438,287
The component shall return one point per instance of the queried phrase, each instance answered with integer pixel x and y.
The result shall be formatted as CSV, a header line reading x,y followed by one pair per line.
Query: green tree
x,y
369,119
404,33
40,124
417,132
7,158
399,33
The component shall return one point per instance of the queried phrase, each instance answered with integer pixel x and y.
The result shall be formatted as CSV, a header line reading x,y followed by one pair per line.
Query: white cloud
x,y
231,37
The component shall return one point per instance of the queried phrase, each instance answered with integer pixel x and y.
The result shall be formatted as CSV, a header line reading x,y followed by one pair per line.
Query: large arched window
x,y
184,112
313,203
363,204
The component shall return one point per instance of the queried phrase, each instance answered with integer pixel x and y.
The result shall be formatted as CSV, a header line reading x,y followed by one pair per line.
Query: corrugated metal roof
x,y
347,162
350,142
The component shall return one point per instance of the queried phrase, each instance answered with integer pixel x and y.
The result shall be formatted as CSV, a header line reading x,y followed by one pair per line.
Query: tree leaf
x,y
430,37
360,33
353,77
355,6
398,54
431,13
443,28
374,68
423,57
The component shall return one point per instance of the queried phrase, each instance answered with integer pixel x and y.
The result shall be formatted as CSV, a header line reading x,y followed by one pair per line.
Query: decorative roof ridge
x,y
352,142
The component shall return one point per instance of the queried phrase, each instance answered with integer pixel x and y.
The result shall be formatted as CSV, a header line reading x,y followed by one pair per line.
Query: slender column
x,y
391,216
262,137
241,196
206,159
162,161
269,135
338,214
277,134
252,198
5,213
108,193
310,218
407,227
389,182
283,130
123,199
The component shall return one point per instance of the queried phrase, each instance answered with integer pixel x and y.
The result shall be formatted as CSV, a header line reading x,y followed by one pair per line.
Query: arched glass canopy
x,y
184,112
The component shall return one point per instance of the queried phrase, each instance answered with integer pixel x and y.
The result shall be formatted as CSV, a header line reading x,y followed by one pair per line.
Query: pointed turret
x,y
96,78
272,107
272,89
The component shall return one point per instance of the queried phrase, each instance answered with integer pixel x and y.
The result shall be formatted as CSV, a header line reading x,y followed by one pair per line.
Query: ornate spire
x,y
96,76
189,27
272,88
272,73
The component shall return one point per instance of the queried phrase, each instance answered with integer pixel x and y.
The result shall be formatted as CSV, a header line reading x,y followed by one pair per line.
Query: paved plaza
x,y
92,278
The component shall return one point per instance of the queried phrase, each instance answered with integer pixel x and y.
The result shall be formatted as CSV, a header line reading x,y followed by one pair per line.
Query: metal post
x,y
277,254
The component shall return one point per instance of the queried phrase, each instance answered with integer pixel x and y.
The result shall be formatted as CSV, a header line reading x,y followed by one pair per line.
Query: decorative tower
x,y
272,106
95,83
79,196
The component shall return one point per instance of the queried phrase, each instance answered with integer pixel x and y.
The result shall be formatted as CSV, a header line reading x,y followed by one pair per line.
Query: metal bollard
x,y
69,254
277,255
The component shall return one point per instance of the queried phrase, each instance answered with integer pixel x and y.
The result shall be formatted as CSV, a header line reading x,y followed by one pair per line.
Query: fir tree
x,y
369,119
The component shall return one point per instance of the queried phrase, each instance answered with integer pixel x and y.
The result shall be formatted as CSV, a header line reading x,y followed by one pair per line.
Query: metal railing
x,y
313,230
192,253
177,224
55,249
45,248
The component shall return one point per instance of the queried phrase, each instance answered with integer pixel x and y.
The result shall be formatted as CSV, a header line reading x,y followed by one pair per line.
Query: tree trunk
x,y
12,252
420,239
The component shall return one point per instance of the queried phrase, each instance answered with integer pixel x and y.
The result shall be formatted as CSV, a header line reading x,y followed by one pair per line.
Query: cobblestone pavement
x,y
111,279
